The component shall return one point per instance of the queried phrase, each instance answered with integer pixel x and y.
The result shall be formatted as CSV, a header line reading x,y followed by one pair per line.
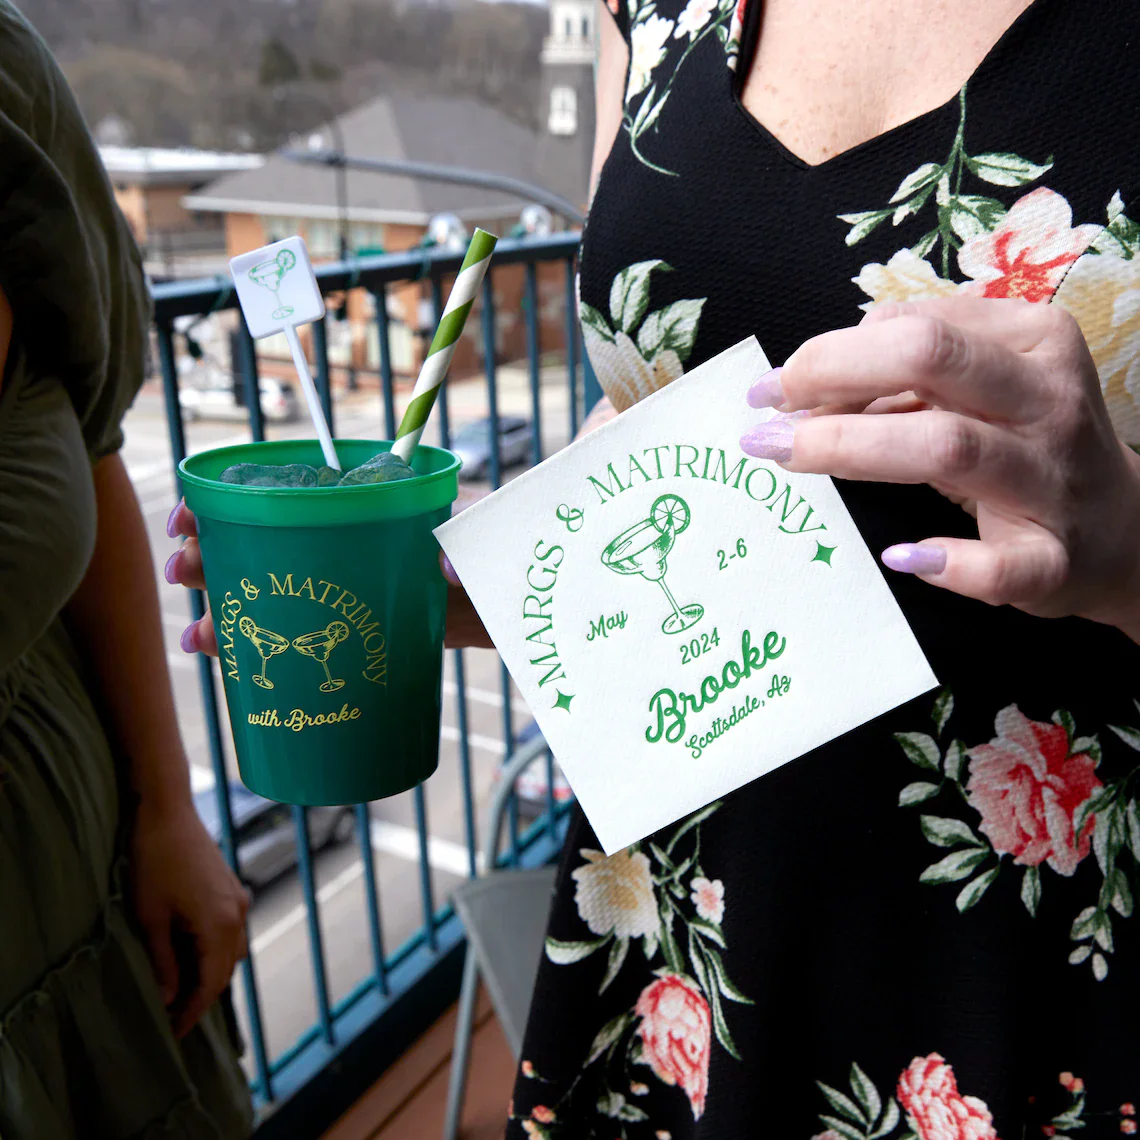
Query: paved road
x,y
278,928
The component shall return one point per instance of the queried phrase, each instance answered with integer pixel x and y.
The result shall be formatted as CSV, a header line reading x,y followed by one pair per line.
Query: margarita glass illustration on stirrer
x,y
269,273
643,548
267,643
319,647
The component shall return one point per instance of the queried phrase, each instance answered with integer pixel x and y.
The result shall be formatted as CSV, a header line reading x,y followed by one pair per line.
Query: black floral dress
x,y
925,929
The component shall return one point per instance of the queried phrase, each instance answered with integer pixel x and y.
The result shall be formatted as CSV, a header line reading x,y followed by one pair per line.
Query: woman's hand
x,y
464,629
184,568
191,907
997,404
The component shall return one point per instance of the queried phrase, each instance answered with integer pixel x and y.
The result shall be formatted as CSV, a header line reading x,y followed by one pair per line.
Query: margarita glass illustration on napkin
x,y
643,548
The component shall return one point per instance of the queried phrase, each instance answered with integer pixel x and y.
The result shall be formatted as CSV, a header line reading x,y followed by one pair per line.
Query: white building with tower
x,y
566,133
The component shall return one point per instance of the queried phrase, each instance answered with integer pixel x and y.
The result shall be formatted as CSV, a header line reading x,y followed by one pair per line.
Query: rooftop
x,y
432,129
173,164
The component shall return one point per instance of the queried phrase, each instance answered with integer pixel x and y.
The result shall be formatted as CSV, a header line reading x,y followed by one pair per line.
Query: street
x,y
278,928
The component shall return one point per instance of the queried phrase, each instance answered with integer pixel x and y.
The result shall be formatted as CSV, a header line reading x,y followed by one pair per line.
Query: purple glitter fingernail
x,y
911,558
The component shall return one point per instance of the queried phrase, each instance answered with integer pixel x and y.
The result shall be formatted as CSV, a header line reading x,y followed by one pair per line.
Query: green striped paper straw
x,y
443,344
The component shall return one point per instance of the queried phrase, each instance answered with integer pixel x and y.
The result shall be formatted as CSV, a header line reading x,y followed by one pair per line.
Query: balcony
x,y
356,953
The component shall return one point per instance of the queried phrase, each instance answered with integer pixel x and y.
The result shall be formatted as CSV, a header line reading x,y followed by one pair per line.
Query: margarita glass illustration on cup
x,y
643,548
267,643
269,273
319,647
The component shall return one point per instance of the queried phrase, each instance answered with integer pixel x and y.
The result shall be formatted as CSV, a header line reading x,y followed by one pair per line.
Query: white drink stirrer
x,y
278,291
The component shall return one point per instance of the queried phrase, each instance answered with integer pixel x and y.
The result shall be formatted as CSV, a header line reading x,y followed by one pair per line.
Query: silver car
x,y
264,833
210,395
473,445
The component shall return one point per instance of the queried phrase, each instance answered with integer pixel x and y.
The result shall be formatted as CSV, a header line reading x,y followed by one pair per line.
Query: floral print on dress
x,y
928,1105
1041,804
676,1035
652,70
635,353
1028,248
662,897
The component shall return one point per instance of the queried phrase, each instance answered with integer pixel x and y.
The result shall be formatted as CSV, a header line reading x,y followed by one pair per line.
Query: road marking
x,y
404,843
388,839
297,915
487,697
486,743
141,472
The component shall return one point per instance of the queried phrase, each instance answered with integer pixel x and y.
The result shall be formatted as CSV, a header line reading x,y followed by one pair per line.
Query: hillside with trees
x,y
246,74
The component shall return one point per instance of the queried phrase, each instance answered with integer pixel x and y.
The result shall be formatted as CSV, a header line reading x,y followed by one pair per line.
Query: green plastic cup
x,y
329,607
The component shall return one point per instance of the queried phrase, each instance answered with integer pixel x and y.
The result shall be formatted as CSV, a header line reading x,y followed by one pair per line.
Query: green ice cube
x,y
327,476
386,473
382,468
263,475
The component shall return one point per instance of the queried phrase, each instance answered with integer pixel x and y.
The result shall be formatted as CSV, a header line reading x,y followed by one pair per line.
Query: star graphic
x,y
564,700
823,553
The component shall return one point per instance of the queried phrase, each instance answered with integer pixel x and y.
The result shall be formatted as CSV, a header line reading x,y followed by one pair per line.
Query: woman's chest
x,y
706,228
824,76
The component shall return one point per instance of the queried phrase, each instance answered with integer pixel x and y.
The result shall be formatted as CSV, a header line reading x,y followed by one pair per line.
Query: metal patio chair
x,y
504,913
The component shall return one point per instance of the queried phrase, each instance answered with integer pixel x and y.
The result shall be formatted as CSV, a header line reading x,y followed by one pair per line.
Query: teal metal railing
x,y
304,1087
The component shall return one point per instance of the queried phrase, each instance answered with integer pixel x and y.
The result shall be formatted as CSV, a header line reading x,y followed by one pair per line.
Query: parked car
x,y
210,395
473,445
531,786
264,835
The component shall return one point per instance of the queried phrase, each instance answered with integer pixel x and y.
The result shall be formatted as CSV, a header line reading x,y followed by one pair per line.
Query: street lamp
x,y
535,221
446,231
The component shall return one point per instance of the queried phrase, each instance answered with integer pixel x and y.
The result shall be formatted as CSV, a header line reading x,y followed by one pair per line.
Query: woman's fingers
x,y
966,455
1021,573
449,571
216,961
181,521
184,566
918,353
1020,325
199,637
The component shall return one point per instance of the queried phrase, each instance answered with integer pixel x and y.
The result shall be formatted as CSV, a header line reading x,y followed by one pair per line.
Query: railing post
x,y
251,380
490,350
372,902
591,389
426,899
312,914
321,359
383,333
572,345
530,309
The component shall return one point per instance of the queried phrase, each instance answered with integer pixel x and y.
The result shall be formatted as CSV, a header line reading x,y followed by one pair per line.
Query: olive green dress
x,y
85,1044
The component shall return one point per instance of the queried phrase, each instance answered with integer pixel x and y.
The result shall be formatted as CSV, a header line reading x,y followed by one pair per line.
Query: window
x,y
323,238
585,27
279,228
563,111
